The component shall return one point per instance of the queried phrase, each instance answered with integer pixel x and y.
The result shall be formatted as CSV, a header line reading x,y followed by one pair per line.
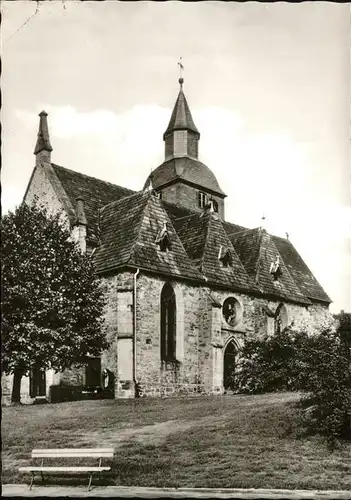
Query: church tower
x,y
181,136
182,179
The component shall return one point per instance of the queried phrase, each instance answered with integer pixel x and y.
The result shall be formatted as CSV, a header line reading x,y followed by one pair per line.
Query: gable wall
x,y
161,378
41,187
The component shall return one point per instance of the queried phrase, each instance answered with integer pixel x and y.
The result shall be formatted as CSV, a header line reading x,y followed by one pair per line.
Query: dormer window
x,y
203,200
163,239
225,256
275,269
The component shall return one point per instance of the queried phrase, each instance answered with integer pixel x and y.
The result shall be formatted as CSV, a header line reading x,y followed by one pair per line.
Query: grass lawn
x,y
222,442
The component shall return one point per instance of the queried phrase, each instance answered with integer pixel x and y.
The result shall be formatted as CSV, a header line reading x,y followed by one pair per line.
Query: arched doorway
x,y
229,365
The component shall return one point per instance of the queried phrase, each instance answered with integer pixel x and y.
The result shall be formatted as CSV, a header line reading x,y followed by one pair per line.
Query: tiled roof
x,y
202,235
192,230
181,116
95,193
299,271
257,251
233,228
234,275
129,229
129,224
176,211
186,169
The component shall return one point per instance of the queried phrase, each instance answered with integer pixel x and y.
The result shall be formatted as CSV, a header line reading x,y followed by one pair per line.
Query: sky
x,y
268,86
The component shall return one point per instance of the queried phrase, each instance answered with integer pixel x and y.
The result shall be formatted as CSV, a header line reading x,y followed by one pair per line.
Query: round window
x,y
231,311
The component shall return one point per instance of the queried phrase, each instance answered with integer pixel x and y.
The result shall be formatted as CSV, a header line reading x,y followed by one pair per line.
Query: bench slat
x,y
63,469
75,449
73,452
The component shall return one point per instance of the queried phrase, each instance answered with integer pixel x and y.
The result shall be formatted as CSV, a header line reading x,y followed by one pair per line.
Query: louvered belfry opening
x,y
168,323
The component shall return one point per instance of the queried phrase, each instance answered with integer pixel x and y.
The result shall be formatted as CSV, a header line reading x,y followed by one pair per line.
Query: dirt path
x,y
157,433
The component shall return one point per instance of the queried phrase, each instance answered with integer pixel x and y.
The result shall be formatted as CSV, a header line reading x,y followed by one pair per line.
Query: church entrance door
x,y
229,366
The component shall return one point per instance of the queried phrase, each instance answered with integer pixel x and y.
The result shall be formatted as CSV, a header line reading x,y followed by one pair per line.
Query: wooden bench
x,y
97,453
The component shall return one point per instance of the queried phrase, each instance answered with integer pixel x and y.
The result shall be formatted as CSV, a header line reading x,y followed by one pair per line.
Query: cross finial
x,y
181,69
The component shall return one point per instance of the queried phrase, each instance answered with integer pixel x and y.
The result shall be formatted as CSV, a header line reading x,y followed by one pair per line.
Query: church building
x,y
185,286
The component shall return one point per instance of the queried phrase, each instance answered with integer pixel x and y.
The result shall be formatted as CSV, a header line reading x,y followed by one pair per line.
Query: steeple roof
x,y
186,169
181,118
43,140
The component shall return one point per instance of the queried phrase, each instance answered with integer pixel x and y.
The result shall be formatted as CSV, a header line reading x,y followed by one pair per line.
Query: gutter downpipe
x,y
134,329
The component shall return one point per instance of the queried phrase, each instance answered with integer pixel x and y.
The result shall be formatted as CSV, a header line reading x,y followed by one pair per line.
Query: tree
x,y
326,379
313,360
52,301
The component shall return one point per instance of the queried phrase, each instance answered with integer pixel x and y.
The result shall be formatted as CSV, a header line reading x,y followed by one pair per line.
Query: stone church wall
x,y
157,377
204,334
41,187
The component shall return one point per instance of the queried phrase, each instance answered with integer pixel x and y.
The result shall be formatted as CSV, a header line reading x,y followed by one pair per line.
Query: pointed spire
x,y
181,118
43,147
181,136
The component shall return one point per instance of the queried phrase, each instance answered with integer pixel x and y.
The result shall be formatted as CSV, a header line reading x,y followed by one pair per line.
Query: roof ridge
x,y
147,199
91,177
115,202
190,215
257,264
240,232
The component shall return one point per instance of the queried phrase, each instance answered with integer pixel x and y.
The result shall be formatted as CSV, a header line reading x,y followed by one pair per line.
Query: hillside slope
x,y
227,442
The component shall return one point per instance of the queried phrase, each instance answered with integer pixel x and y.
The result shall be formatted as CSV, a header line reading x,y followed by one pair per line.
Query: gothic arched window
x,y
168,323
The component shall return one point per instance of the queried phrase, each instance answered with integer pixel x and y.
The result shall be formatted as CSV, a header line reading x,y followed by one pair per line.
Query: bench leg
x,y
31,482
91,477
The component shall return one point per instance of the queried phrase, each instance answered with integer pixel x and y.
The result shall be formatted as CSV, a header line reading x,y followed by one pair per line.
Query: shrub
x,y
317,364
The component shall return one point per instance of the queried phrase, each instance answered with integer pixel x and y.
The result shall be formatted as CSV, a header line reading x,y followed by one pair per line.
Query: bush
x,y
327,380
317,364
272,363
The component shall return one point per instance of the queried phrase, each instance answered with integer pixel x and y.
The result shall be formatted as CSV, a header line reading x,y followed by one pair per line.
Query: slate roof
x,y
95,193
299,271
181,118
129,229
202,236
128,224
186,169
257,250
